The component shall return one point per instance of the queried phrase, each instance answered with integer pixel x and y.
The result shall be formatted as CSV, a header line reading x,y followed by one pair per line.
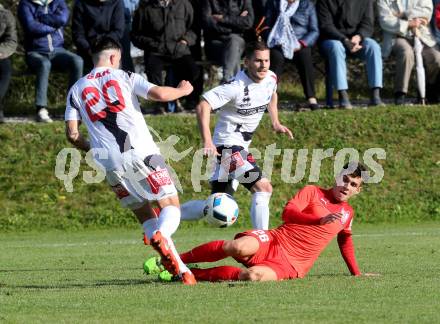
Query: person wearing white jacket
x,y
401,21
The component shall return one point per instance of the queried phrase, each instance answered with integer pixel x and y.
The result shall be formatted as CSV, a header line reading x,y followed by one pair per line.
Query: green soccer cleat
x,y
165,276
153,266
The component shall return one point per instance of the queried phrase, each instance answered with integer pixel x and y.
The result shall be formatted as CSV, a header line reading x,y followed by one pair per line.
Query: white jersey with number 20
x,y
106,101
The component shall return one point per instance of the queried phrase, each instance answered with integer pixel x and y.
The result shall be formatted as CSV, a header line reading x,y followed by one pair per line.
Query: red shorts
x,y
269,254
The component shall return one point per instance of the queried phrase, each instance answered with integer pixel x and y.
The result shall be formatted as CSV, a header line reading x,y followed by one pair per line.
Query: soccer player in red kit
x,y
312,218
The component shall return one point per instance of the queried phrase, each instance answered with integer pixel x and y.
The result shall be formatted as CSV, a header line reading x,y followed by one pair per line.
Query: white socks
x,y
192,210
167,223
150,227
260,210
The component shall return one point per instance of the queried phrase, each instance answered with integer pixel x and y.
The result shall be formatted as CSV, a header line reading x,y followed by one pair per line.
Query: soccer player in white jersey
x,y
106,101
249,94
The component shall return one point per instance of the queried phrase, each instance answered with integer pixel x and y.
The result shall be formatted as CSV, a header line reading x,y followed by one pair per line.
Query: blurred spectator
x,y
196,49
435,21
162,28
400,23
224,24
43,23
8,44
293,32
129,8
345,28
95,18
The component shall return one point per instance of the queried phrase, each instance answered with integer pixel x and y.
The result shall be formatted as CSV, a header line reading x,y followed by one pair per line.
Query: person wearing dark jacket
x,y
96,18
8,45
293,30
346,27
43,22
224,24
162,28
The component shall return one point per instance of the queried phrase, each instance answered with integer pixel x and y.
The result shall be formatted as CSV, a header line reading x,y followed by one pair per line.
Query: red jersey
x,y
302,238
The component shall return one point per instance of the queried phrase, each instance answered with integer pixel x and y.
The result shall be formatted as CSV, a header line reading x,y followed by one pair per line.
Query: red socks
x,y
208,252
222,273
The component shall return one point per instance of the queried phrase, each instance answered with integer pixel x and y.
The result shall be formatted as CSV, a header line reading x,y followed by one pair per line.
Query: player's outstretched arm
x,y
345,243
203,111
74,136
273,112
164,94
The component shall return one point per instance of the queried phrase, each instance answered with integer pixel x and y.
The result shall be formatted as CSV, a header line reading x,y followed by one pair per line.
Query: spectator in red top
x,y
312,218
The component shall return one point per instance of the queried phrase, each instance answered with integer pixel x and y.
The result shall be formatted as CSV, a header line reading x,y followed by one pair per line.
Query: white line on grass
x,y
139,242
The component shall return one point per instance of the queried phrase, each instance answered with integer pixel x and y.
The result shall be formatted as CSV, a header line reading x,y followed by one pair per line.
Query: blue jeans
x,y
335,53
41,64
227,50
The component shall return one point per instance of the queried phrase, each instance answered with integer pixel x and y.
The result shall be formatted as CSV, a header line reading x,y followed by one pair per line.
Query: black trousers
x,y
183,68
5,78
304,64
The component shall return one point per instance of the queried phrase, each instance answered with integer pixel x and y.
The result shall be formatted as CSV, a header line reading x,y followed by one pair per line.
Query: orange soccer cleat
x,y
161,245
188,278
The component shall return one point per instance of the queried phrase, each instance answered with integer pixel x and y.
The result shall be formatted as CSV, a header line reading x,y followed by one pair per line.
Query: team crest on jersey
x,y
158,179
345,216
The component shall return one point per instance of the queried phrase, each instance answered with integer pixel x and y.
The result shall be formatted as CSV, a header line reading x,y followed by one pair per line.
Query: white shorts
x,y
141,181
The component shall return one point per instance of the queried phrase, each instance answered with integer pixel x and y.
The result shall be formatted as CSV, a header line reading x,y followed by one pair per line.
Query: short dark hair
x,y
105,43
254,46
355,169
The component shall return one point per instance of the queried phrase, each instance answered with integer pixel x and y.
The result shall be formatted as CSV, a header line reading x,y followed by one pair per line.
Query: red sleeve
x,y
437,15
346,246
293,211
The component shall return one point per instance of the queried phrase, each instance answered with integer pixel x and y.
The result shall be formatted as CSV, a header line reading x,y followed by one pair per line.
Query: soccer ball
x,y
221,210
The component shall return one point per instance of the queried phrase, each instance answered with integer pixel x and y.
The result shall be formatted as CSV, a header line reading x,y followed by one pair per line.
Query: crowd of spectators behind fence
x,y
176,35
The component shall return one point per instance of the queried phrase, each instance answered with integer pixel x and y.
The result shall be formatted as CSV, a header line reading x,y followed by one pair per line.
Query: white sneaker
x,y
43,116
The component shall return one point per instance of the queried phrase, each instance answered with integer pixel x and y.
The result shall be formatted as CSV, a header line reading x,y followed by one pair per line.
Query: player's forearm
x,y
273,109
203,117
164,94
346,246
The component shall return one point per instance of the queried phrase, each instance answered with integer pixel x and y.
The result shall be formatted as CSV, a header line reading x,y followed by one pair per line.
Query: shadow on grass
x,y
98,284
63,269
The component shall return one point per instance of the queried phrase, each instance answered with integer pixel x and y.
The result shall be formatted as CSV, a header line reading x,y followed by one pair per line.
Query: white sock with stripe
x,y
260,210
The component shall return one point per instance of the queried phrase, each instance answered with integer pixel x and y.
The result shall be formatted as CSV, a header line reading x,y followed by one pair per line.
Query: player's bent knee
x,y
250,275
169,201
239,248
263,185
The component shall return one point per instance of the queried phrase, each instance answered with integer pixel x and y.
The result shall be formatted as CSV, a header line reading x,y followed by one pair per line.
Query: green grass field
x,y
77,257
96,276
33,198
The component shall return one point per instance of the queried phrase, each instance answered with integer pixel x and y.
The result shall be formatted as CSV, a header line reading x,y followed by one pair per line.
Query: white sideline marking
x,y
139,241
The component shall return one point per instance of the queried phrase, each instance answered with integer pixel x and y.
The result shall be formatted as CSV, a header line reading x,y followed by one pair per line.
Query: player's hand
x,y
186,87
330,218
244,13
279,128
209,149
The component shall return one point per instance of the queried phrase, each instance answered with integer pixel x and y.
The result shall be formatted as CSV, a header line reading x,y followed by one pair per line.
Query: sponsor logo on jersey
x,y
158,179
252,111
232,162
